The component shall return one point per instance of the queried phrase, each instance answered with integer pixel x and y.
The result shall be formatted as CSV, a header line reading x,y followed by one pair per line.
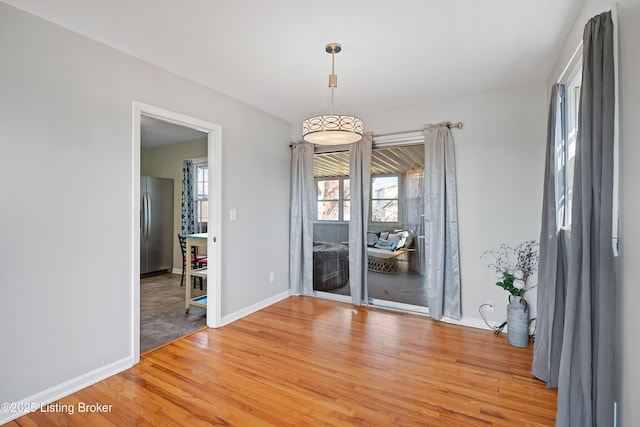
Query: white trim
x,y
407,138
66,388
135,235
214,145
398,306
469,322
331,296
230,318
200,160
409,309
215,240
574,63
424,311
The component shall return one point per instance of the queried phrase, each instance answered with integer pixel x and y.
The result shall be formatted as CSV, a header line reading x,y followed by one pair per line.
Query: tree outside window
x,y
333,199
384,199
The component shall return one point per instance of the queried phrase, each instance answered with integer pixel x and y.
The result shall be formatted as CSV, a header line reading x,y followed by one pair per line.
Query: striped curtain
x,y
189,214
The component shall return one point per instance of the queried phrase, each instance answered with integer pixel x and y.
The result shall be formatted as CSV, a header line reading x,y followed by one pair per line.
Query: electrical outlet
x,y
272,277
490,305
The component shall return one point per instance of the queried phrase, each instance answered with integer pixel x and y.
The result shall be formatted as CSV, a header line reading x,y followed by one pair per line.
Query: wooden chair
x,y
197,260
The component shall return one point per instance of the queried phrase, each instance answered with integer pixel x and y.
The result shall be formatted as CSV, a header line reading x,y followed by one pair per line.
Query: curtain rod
x,y
449,125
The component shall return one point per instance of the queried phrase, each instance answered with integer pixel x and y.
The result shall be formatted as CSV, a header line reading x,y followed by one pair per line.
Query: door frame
x,y
214,154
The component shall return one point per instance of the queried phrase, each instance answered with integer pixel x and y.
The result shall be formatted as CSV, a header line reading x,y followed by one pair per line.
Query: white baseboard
x,y
465,321
64,389
468,321
177,271
229,318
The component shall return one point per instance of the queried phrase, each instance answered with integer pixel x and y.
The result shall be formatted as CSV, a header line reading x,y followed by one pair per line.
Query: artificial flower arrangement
x,y
514,265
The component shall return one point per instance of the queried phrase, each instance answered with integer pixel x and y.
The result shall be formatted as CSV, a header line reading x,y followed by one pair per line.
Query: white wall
x,y
66,255
628,345
500,165
627,375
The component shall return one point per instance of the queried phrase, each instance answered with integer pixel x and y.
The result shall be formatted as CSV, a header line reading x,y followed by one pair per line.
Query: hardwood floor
x,y
314,362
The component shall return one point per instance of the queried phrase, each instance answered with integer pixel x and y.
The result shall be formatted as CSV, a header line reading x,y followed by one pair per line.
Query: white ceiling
x,y
155,133
270,54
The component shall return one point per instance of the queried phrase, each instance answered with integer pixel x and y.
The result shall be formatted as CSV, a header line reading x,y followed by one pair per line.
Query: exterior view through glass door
x,y
331,224
395,241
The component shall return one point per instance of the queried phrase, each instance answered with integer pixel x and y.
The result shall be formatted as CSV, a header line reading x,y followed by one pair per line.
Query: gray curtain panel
x,y
360,183
414,215
189,215
301,221
585,383
551,292
442,258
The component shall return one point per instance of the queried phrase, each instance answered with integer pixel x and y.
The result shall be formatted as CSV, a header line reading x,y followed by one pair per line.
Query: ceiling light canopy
x,y
332,129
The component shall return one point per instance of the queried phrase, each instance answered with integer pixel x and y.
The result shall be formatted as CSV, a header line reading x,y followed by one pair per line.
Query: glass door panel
x,y
395,243
331,225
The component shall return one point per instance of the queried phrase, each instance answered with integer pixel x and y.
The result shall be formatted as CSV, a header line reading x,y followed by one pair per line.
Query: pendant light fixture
x,y
332,129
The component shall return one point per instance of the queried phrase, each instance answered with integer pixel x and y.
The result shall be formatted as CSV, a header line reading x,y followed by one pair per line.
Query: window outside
x,y
566,145
572,103
333,199
384,199
202,196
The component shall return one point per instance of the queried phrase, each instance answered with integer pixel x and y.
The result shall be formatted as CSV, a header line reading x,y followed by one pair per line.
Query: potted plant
x,y
514,266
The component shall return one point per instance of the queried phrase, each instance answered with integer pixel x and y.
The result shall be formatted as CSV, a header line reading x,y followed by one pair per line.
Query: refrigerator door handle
x,y
143,216
144,220
148,221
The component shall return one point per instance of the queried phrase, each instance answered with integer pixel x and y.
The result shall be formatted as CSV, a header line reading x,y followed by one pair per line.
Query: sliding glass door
x,y
395,241
331,224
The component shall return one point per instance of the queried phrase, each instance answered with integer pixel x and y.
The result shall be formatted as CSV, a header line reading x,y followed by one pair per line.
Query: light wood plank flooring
x,y
314,362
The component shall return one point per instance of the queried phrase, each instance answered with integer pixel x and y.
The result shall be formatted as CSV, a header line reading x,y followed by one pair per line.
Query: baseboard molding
x,y
467,321
229,318
66,388
177,271
402,308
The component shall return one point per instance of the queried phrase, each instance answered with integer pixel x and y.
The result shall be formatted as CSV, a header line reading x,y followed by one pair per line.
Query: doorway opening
x,y
152,125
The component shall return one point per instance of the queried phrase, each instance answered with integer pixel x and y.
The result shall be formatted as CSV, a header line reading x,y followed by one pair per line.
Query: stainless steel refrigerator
x,y
156,225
